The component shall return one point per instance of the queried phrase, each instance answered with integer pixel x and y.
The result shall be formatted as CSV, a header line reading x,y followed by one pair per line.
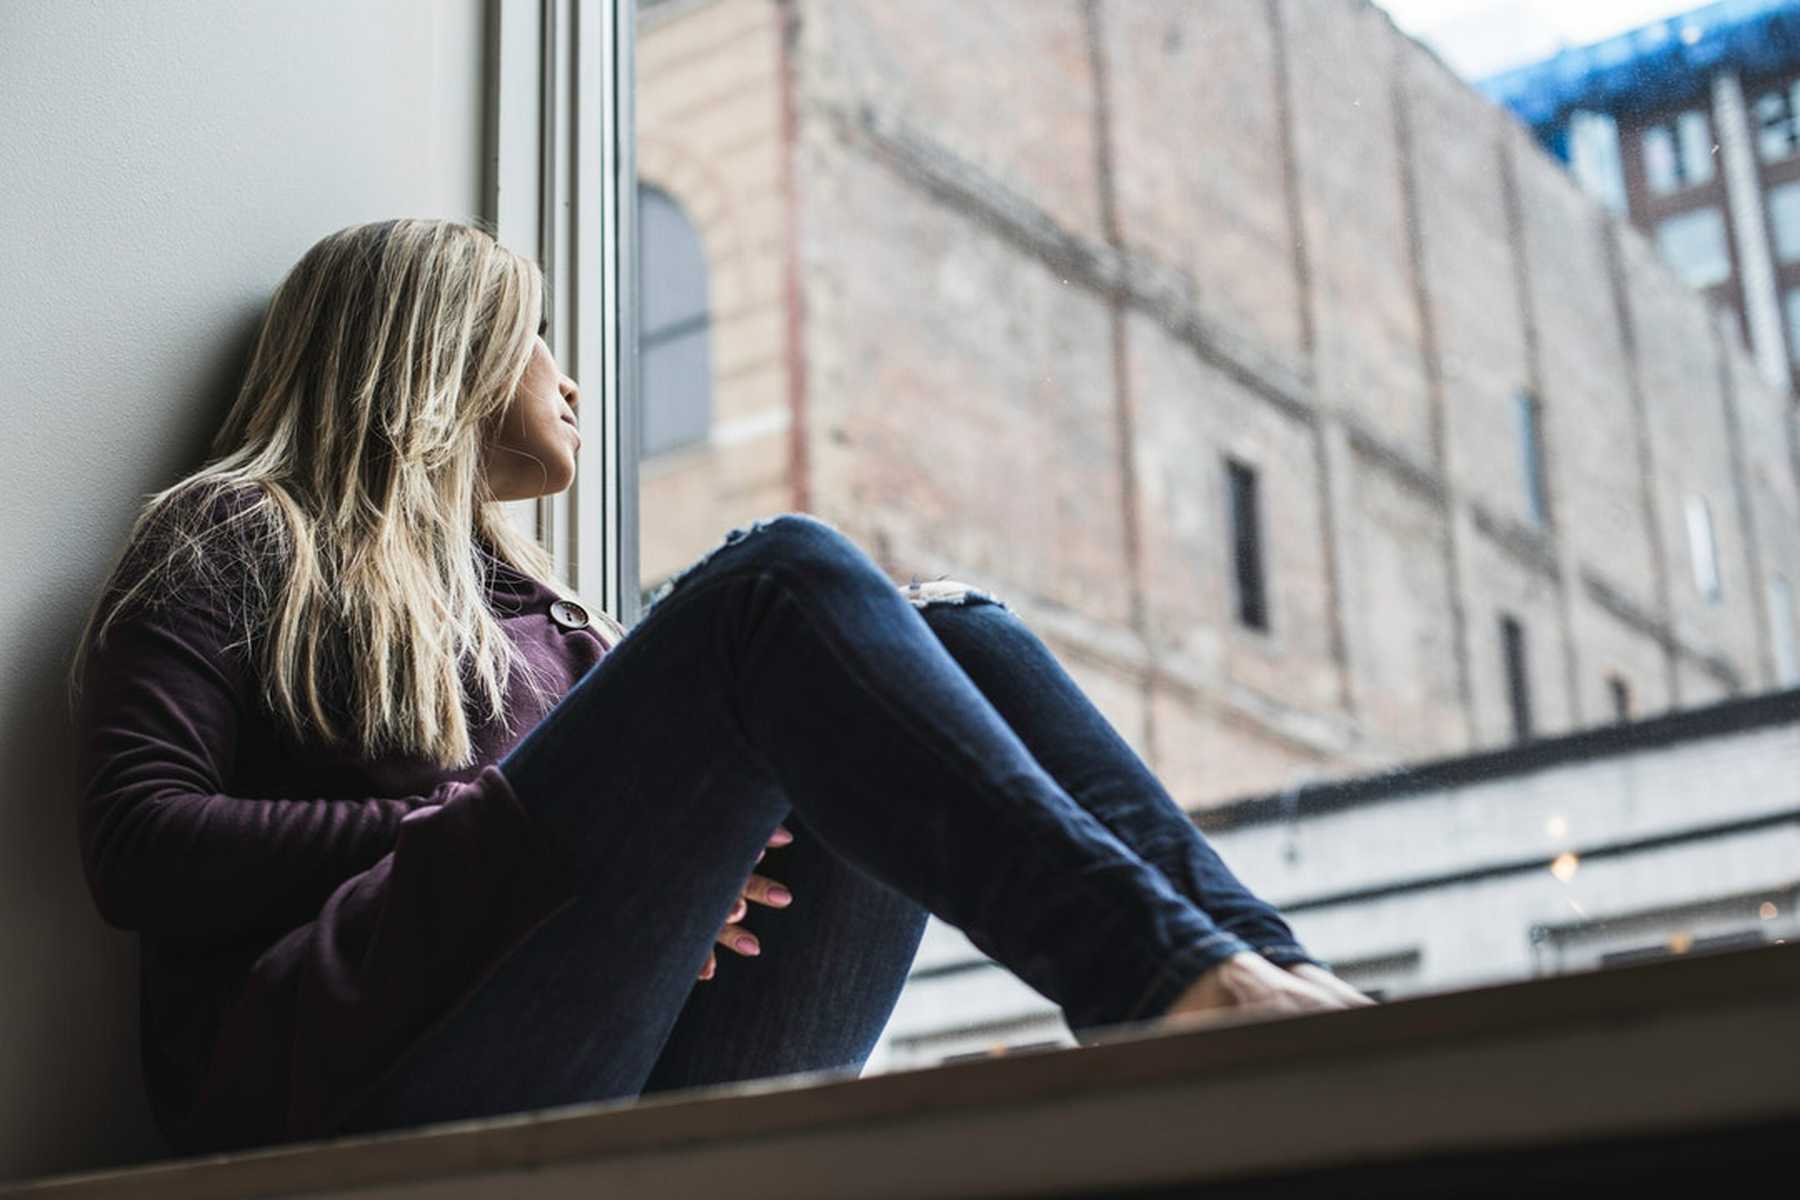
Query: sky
x,y
1479,38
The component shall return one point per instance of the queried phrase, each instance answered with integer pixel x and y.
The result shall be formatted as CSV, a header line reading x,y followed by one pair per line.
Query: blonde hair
x,y
386,359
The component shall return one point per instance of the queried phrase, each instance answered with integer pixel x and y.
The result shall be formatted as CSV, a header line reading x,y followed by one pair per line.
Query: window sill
x,y
1663,1049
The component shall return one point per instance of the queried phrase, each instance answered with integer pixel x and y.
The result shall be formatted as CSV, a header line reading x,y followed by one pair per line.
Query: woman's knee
x,y
797,541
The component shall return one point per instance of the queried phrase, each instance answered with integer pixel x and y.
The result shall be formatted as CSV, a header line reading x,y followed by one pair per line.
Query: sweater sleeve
x,y
164,848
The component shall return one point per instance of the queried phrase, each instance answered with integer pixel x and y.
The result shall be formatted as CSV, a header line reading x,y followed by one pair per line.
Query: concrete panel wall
x,y
1692,455
964,434
1201,194
1470,282
1589,418
165,164
1191,416
1341,59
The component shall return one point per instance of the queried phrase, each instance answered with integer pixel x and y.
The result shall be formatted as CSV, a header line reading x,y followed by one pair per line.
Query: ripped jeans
x,y
929,755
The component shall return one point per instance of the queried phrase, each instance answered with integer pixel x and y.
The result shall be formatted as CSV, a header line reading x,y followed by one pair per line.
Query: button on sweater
x,y
304,914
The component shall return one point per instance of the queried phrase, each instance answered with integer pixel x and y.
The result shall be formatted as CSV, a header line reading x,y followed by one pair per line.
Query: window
x,y
1790,304
1246,546
674,343
1594,158
1777,133
1531,454
1703,549
1518,684
1694,244
1781,631
1784,221
1679,154
1620,691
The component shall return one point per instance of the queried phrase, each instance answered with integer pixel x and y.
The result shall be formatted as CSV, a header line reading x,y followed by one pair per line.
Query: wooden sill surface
x,y
1686,1044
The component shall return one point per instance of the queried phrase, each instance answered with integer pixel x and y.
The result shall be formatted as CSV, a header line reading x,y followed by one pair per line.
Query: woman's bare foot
x,y
1324,980
1248,983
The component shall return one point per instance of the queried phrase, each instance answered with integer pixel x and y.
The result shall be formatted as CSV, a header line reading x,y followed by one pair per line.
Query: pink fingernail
x,y
747,945
780,895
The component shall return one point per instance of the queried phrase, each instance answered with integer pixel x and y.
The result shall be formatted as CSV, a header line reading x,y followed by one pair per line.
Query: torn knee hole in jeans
x,y
731,537
923,595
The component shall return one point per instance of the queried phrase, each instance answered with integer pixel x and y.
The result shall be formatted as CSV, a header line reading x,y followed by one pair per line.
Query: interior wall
x,y
164,165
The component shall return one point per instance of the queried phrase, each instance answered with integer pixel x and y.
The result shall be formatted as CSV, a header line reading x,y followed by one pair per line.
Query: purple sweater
x,y
304,914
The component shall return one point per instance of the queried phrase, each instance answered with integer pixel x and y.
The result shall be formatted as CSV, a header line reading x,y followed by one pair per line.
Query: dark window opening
x,y
1246,544
1518,685
1531,451
1621,697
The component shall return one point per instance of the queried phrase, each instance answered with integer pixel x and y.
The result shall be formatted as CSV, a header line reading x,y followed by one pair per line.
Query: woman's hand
x,y
1324,980
759,888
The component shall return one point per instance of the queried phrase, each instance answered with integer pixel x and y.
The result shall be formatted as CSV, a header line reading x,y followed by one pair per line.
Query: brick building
x,y
1298,399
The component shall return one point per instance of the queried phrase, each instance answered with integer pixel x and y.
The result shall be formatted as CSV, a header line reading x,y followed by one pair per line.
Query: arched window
x,y
674,327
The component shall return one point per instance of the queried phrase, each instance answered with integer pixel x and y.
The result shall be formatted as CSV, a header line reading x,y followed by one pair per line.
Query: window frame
x,y
561,187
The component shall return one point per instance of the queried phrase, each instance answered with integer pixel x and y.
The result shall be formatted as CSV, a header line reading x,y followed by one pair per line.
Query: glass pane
x,y
1314,446
1781,631
1662,167
1784,221
1594,157
1792,307
677,390
1697,148
672,272
1701,546
1774,126
1694,245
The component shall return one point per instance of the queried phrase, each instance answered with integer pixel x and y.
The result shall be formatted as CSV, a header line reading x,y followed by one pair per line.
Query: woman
x,y
407,837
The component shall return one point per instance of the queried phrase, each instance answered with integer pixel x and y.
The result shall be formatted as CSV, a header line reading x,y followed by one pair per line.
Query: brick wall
x,y
1056,260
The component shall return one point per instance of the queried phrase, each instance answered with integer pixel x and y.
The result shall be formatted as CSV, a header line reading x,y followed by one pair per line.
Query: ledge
x,y
1662,1049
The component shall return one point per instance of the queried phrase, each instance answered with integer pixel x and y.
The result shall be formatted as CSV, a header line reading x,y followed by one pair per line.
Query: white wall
x,y
163,164
1463,932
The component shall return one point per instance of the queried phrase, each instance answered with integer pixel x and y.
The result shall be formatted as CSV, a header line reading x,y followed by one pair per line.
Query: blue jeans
x,y
929,755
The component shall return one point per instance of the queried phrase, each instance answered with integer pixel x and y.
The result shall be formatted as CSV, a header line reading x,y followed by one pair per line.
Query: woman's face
x,y
532,452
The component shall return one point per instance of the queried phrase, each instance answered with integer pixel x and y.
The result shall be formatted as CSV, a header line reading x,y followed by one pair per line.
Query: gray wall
x,y
164,165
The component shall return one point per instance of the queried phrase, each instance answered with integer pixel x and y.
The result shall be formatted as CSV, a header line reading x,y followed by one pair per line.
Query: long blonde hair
x,y
351,460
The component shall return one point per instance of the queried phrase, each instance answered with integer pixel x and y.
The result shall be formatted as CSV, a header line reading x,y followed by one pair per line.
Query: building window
x,y
1518,682
1781,631
1594,158
1679,153
1694,244
1790,303
675,327
1777,132
1531,456
1784,221
1620,691
1702,548
1246,546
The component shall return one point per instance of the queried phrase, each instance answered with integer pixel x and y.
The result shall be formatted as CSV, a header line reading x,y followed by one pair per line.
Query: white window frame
x,y
562,187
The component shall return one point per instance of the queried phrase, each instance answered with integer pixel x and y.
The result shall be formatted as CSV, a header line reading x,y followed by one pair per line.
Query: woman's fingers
x,y
1320,978
740,939
764,890
761,889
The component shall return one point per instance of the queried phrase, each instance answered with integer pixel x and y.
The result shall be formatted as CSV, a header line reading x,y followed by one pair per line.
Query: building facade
x,y
1278,379
1690,127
